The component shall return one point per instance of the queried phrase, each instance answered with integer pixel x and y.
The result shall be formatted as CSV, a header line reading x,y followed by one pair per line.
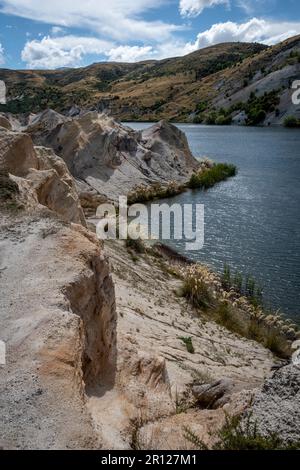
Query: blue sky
x,y
72,33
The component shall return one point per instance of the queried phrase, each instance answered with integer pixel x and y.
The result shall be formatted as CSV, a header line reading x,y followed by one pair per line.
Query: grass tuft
x,y
189,344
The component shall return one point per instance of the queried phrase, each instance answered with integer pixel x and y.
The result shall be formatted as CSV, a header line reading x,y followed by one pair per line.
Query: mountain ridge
x,y
185,89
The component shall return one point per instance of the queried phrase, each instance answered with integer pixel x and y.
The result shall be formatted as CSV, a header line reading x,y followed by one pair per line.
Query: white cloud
x,y
69,50
254,30
56,30
130,53
63,51
2,58
195,7
119,19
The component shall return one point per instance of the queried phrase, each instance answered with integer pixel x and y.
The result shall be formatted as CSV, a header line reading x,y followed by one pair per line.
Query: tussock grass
x,y
197,292
229,309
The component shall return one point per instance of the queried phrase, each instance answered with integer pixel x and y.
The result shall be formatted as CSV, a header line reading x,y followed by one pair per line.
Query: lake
x,y
251,221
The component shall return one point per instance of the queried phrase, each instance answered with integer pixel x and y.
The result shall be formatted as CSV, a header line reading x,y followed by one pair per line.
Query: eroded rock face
x,y
55,186
42,177
57,317
114,159
276,407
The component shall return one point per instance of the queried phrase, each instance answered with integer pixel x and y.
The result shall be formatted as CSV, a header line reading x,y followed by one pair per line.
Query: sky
x,y
51,34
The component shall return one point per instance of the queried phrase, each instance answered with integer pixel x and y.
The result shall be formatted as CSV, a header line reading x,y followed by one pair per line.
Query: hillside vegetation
x,y
232,82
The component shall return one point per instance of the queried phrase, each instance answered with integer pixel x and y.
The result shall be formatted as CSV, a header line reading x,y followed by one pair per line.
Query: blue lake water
x,y
251,221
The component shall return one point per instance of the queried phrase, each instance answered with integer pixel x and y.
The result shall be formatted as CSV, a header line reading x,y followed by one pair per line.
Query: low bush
x,y
136,245
292,122
9,191
211,176
189,344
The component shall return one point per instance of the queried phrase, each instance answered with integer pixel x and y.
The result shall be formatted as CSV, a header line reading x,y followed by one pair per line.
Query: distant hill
x,y
239,82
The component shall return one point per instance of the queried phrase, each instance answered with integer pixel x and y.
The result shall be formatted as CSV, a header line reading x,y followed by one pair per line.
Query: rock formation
x,y
113,159
44,176
57,311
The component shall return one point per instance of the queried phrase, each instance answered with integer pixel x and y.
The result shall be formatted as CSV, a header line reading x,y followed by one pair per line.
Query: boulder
x,y
4,122
214,395
17,154
276,408
55,186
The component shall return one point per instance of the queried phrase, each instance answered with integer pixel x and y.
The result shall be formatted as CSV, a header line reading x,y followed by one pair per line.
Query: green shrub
x,y
211,176
211,119
189,344
291,121
198,119
222,120
8,188
136,245
9,191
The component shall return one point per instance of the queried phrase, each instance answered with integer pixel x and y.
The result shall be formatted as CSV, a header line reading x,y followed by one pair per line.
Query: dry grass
x,y
156,191
203,289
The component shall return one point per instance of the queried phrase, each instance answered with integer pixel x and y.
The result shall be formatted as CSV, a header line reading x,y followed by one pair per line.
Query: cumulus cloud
x,y
130,53
69,50
2,58
195,7
119,19
62,51
254,30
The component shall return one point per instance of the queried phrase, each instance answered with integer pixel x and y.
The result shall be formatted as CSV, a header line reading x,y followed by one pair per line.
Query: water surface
x,y
251,221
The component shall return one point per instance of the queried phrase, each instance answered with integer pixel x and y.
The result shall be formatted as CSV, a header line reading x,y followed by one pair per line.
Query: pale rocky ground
x,y
94,358
57,307
155,371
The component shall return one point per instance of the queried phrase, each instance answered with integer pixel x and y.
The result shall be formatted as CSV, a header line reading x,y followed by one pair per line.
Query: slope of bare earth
x,y
151,399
